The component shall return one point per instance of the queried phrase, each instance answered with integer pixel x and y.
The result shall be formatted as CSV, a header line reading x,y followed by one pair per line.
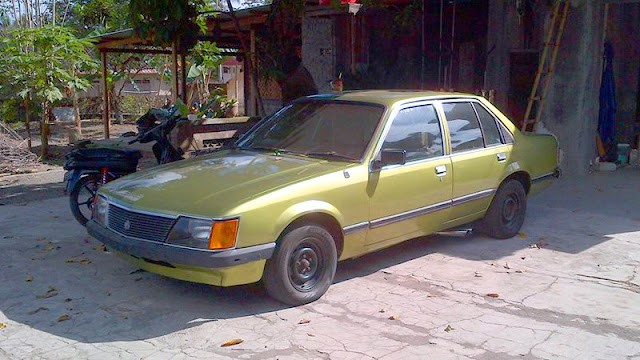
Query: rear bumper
x,y
171,255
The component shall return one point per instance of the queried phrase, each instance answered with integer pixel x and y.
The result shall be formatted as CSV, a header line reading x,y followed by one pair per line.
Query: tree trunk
x,y
27,119
44,131
76,113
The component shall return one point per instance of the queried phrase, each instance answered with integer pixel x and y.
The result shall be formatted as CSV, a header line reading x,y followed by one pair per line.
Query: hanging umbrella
x,y
607,119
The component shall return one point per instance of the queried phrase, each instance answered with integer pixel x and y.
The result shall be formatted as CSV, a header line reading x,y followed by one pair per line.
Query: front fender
x,y
301,209
73,176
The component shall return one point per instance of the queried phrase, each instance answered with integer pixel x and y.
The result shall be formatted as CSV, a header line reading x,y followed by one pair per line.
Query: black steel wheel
x,y
303,265
81,198
506,214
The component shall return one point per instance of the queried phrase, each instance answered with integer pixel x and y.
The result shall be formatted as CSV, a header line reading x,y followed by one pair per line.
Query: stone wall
x,y
318,51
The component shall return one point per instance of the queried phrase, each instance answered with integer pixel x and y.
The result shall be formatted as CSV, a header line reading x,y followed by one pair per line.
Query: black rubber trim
x,y
175,255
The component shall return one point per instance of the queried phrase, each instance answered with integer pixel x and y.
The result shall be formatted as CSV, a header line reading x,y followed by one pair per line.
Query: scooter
x,y
90,167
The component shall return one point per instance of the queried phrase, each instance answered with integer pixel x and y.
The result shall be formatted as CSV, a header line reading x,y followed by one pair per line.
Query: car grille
x,y
141,226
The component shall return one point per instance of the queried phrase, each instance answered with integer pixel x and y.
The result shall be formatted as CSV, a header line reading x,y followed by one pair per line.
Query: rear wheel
x,y
507,211
303,265
81,198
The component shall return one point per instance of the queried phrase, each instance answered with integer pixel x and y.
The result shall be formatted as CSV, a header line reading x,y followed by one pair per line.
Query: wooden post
x,y
183,70
105,95
174,72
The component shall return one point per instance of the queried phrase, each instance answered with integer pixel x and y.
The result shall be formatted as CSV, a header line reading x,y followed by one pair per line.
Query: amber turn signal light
x,y
223,234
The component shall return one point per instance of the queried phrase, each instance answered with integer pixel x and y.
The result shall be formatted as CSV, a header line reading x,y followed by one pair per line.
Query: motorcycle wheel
x,y
81,198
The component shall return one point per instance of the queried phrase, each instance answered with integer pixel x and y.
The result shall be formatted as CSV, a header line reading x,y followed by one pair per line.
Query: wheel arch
x,y
320,218
523,177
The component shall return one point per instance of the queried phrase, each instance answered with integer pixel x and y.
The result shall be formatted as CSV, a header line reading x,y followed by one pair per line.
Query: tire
x,y
506,214
303,265
81,198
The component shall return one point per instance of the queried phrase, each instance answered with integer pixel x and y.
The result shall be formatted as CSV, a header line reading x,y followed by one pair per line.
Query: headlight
x,y
100,210
204,234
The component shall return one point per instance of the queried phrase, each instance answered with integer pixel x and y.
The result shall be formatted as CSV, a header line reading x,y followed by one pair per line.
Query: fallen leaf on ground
x,y
310,334
448,328
67,300
304,321
522,235
387,272
85,261
29,278
506,266
394,317
382,310
100,248
42,308
477,274
519,271
523,258
231,342
493,295
3,325
64,318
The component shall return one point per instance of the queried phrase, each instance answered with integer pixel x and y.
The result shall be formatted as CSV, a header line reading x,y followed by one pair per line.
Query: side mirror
x,y
390,157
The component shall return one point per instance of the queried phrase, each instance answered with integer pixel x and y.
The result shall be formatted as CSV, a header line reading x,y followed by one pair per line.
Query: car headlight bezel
x,y
100,213
205,234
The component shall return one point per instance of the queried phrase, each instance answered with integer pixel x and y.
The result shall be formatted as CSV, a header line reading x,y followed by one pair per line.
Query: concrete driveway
x,y
566,288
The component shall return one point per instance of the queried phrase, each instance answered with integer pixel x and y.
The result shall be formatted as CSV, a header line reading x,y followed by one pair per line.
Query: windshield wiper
x,y
331,154
275,151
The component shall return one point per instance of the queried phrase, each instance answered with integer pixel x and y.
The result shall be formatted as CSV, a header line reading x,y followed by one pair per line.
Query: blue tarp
x,y
607,119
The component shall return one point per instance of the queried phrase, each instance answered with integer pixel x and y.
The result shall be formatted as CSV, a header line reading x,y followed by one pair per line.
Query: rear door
x,y
478,156
415,198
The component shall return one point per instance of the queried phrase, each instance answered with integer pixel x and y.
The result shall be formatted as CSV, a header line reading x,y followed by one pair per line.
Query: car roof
x,y
390,97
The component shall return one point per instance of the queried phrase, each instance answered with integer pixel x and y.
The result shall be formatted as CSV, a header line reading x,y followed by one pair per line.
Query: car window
x,y
318,128
463,126
416,130
489,126
507,136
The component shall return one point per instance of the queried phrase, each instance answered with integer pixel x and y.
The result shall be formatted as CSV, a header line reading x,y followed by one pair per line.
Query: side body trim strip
x,y
471,197
416,212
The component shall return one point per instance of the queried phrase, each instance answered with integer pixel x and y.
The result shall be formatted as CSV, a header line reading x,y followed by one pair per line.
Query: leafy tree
x,y
39,64
168,21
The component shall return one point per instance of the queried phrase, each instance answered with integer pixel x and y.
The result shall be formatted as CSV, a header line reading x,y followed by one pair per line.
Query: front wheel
x,y
81,198
303,265
506,212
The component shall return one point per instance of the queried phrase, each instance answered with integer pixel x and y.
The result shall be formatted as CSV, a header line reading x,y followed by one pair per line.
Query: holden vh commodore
x,y
326,178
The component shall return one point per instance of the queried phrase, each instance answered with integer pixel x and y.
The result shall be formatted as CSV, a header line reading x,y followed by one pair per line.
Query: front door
x,y
412,199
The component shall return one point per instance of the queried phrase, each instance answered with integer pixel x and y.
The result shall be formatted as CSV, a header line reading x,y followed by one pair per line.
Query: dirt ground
x,y
567,287
59,138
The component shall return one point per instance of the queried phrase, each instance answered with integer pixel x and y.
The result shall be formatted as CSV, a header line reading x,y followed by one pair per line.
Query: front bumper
x,y
172,255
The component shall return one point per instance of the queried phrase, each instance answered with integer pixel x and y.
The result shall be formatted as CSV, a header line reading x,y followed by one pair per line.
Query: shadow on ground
x,y
48,273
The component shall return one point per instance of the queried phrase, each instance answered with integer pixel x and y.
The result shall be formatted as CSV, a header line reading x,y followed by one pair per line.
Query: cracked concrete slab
x,y
567,287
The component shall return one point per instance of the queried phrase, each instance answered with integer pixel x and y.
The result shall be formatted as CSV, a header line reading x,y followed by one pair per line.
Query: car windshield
x,y
316,128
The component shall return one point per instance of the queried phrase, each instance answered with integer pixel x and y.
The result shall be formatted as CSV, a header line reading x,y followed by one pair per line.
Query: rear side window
x,y
506,134
489,126
463,126
416,130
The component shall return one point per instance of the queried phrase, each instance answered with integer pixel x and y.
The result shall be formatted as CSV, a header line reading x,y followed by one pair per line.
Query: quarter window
x,y
463,126
489,126
417,131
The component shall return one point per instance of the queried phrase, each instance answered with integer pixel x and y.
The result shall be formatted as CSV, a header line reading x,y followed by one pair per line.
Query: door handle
x,y
502,157
441,170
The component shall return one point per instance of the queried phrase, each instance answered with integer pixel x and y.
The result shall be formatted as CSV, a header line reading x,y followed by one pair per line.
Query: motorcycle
x,y
87,168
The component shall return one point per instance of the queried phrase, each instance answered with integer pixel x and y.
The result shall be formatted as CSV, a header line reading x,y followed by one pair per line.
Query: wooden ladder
x,y
547,64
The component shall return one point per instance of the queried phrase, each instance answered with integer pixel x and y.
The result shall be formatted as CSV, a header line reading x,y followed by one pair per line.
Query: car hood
x,y
214,184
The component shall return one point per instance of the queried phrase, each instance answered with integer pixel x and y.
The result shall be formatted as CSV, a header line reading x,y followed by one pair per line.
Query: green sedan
x,y
326,178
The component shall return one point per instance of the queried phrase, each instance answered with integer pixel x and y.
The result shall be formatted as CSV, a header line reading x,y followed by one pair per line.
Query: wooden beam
x,y
105,95
138,51
121,42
